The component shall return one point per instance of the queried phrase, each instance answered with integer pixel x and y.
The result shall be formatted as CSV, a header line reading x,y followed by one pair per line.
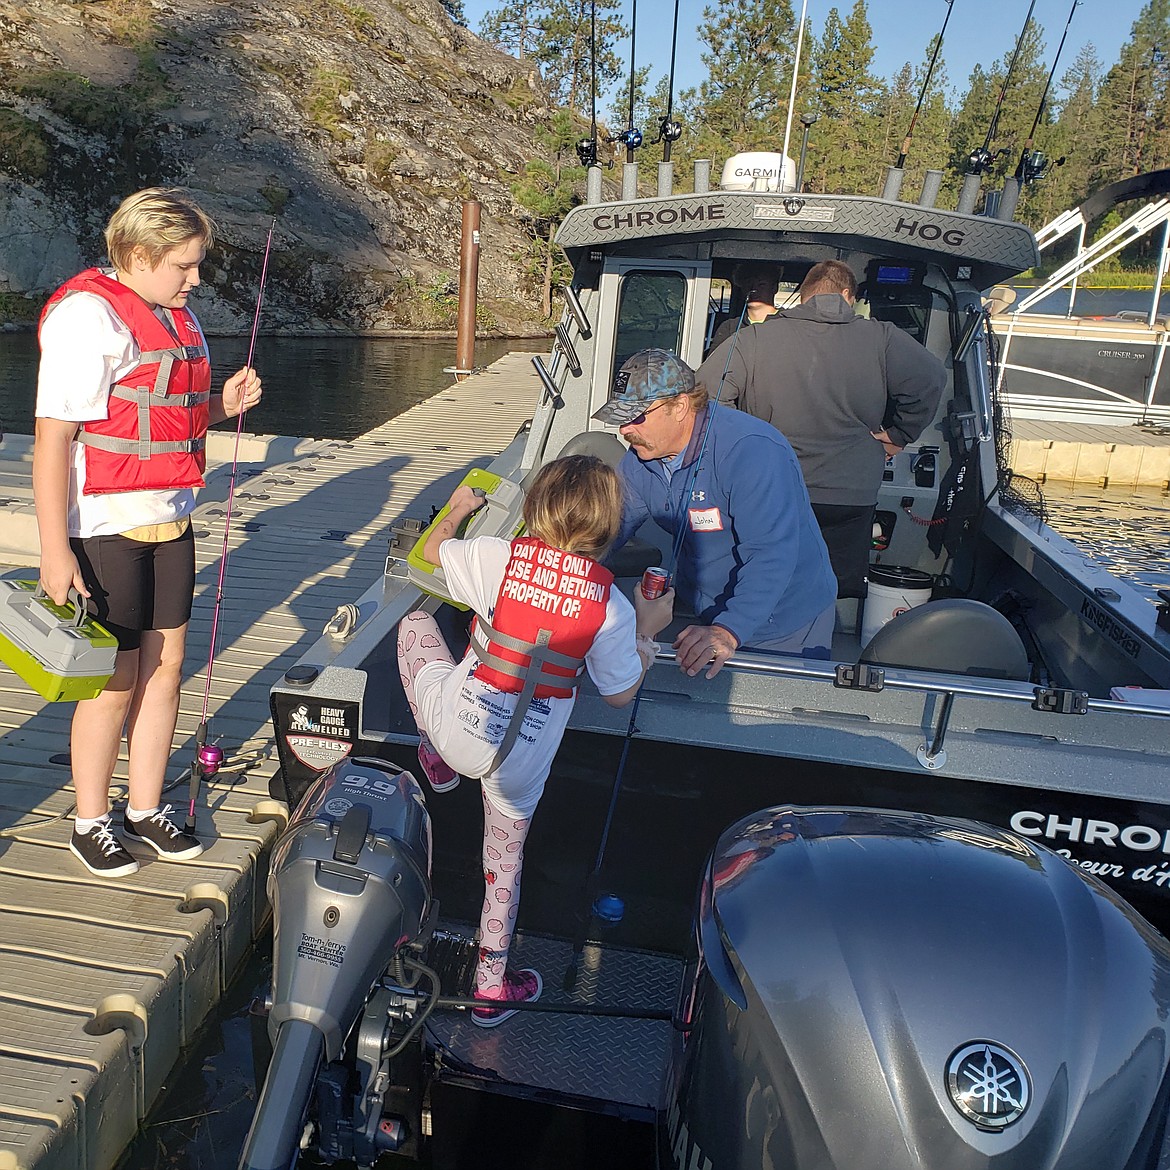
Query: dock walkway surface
x,y
103,983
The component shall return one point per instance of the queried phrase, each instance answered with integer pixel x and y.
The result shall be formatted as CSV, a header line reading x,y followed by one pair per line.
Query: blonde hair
x,y
575,504
155,220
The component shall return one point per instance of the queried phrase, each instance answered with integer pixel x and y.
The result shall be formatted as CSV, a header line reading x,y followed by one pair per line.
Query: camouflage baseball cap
x,y
644,378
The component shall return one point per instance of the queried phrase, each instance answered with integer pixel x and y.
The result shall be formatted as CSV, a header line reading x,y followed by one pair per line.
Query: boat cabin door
x,y
648,303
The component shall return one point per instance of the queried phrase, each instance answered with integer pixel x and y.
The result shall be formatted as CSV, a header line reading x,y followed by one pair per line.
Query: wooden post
x,y
468,286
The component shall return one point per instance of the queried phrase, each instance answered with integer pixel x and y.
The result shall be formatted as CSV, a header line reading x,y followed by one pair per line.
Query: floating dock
x,y
1085,453
103,983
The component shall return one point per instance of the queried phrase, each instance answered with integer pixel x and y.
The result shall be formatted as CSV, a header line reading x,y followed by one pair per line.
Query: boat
x,y
1106,370
836,895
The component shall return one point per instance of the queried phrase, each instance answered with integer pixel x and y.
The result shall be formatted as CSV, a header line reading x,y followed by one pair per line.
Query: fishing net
x,y
1018,493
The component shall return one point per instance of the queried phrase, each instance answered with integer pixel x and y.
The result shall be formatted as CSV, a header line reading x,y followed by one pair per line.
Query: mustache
x,y
637,441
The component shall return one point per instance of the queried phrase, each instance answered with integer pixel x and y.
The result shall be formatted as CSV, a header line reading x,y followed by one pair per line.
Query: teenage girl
x,y
123,405
544,608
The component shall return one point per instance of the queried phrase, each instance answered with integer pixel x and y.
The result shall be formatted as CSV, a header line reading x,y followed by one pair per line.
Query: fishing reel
x,y
668,131
1035,165
981,160
630,138
587,152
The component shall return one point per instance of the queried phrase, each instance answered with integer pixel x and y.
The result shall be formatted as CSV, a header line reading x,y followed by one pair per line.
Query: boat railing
x,y
1140,223
876,677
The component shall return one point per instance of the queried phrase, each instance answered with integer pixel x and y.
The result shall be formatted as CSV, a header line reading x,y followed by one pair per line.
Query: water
x,y
322,388
1097,302
1126,530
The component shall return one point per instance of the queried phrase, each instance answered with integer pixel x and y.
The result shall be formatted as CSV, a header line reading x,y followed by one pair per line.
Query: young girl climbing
x,y
545,611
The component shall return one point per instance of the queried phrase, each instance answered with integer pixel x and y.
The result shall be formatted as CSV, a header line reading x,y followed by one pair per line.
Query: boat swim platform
x,y
103,983
1133,456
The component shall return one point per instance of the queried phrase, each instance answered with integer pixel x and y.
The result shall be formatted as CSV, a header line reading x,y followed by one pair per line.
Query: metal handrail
x,y
894,680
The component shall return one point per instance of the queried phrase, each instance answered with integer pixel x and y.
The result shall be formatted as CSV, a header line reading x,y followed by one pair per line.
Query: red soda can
x,y
655,582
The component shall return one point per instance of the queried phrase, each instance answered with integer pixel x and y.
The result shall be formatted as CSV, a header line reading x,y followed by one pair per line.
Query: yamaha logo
x,y
988,1084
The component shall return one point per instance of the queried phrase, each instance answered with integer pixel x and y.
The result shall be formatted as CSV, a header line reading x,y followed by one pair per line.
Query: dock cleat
x,y
101,852
163,836
520,987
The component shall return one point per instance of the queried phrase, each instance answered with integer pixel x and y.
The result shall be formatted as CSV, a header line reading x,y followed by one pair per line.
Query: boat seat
x,y
604,444
635,556
955,635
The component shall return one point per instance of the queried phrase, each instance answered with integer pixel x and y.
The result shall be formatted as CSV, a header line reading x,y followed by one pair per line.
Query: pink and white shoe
x,y
519,987
440,775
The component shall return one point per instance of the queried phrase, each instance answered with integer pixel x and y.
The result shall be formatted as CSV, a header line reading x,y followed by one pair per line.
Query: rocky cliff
x,y
358,127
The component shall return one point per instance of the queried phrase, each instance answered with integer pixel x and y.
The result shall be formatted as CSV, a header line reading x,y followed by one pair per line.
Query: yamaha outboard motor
x,y
350,891
885,991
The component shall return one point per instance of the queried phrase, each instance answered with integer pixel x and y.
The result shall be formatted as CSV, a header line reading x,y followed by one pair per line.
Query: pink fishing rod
x,y
209,756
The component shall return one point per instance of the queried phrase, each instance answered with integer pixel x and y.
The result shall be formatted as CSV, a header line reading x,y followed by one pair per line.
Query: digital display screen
x,y
895,274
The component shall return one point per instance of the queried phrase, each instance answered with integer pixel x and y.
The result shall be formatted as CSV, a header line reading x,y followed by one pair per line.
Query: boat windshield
x,y
650,313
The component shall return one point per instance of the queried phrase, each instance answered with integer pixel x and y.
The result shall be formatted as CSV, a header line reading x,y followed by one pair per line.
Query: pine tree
x,y
516,26
849,100
454,9
1074,137
545,192
574,46
1133,100
743,103
927,148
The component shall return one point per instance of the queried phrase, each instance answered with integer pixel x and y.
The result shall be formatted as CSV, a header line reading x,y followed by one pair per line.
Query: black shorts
x,y
137,585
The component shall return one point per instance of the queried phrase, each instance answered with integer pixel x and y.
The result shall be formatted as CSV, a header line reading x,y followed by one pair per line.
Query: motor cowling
x,y
349,886
888,991
350,889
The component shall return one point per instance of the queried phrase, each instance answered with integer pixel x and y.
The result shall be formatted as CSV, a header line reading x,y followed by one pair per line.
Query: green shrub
x,y
24,147
322,103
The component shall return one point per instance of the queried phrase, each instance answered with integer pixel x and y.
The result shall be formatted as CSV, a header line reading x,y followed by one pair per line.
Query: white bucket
x,y
892,590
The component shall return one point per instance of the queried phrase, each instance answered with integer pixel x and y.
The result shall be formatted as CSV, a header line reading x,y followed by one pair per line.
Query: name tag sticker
x,y
705,520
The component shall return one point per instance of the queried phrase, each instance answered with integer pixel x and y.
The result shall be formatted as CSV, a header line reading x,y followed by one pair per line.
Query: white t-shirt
x,y
466,719
85,349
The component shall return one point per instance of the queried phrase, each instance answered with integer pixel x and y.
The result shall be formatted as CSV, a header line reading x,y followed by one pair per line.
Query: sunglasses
x,y
639,419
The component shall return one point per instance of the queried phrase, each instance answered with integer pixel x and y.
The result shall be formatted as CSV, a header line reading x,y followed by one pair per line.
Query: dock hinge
x,y
860,676
1060,701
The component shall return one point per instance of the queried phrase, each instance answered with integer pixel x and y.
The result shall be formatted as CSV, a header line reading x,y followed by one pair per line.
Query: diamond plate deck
x,y
605,1060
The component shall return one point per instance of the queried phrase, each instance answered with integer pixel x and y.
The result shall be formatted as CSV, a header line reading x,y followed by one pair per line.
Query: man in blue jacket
x,y
751,563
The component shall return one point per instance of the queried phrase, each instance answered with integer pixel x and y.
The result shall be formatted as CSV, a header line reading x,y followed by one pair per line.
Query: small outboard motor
x,y
889,991
350,891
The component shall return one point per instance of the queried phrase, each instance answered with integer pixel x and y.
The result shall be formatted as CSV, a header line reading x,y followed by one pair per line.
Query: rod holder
x,y
893,184
702,176
1009,199
931,185
665,179
969,195
629,180
593,184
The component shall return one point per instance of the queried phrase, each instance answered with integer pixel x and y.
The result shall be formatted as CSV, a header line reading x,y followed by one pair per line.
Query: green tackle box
x,y
501,515
59,650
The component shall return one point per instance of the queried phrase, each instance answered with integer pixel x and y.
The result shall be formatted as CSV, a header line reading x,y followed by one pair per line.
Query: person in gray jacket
x,y
845,391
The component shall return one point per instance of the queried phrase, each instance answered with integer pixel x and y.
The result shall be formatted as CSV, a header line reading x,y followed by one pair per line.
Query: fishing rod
x,y
981,159
1032,165
610,907
209,757
587,147
925,86
631,136
670,131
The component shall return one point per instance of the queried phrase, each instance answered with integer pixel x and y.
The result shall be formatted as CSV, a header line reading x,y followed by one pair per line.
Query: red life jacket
x,y
551,604
154,436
